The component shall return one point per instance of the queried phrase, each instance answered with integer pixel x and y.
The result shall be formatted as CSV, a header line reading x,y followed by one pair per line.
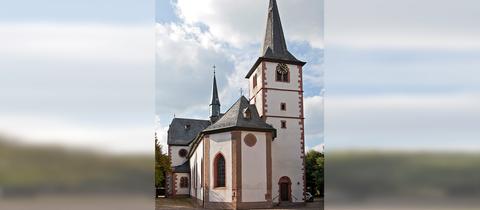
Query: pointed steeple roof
x,y
274,45
215,100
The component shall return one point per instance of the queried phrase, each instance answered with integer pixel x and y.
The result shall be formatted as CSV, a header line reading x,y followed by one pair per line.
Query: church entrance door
x,y
285,189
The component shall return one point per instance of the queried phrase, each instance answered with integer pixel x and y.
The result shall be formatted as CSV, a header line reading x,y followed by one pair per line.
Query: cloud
x,y
184,72
227,21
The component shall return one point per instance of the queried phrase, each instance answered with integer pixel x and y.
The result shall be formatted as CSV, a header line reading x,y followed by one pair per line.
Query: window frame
x,y
254,80
216,179
283,77
180,152
283,106
283,124
183,182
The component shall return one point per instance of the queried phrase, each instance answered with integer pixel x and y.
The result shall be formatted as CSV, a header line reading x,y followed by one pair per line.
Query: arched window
x,y
219,173
183,182
282,73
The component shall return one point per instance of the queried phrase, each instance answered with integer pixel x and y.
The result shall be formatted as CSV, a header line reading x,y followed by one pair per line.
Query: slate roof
x,y
179,134
234,118
274,47
215,100
184,168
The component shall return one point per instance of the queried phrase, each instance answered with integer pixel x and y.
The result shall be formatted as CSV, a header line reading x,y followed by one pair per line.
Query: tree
x,y
314,162
162,164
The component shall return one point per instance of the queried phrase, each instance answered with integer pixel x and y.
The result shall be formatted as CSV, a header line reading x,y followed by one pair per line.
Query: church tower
x,y
276,89
215,103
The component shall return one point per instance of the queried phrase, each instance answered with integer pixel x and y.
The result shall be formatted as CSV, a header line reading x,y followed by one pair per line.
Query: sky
x,y
384,74
192,36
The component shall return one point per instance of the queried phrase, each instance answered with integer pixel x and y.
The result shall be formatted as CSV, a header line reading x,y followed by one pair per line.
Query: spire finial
x,y
214,67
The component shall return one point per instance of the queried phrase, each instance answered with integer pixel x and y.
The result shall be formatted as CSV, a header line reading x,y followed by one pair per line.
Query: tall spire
x,y
274,45
215,103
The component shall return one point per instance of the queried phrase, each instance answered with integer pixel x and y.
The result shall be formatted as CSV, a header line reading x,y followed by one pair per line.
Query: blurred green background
x,y
31,170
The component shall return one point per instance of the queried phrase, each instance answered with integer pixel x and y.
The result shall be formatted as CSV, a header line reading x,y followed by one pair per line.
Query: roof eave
x,y
232,128
260,59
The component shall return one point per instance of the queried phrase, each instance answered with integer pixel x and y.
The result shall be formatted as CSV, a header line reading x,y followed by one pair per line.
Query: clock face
x,y
282,68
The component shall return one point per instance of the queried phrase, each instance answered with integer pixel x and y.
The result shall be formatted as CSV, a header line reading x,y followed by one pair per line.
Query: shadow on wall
x,y
217,198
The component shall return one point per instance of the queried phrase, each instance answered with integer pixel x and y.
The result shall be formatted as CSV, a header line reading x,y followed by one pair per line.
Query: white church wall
x,y
254,90
286,157
290,98
221,142
254,169
196,160
180,190
176,159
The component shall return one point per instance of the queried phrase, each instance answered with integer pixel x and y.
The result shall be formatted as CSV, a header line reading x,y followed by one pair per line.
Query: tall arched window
x,y
219,173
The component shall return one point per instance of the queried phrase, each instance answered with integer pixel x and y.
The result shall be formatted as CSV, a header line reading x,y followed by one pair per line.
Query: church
x,y
252,155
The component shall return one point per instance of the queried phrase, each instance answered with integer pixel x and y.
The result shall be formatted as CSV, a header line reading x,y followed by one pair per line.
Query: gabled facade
x,y
252,156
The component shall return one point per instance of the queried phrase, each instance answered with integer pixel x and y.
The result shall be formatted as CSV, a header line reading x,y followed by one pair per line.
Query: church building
x,y
252,155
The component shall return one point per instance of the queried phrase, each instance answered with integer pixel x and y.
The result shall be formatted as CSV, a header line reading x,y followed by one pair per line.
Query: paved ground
x,y
186,203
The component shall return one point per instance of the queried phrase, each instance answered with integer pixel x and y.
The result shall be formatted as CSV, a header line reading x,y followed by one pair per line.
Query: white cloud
x,y
227,20
319,148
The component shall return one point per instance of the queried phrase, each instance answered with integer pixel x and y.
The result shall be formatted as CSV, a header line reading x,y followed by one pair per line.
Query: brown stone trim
x,y
250,140
269,139
302,130
174,184
236,167
264,92
280,89
206,156
264,59
276,116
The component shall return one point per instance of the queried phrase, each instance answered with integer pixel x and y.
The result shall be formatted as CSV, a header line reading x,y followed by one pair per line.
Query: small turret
x,y
215,103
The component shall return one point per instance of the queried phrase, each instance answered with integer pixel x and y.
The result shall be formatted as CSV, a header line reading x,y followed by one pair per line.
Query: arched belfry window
x,y
219,173
282,73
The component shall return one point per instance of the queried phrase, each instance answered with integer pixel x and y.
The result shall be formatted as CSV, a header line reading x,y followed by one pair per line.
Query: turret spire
x,y
215,103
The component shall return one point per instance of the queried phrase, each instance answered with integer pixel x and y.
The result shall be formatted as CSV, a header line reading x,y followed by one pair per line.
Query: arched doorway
x,y
285,189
